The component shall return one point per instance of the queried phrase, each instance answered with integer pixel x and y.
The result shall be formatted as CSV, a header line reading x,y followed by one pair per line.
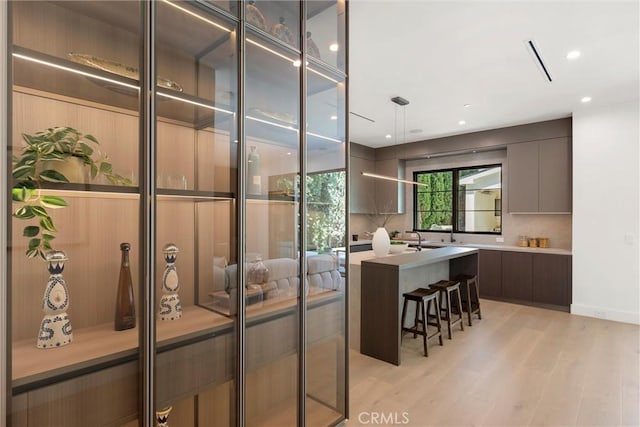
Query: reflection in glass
x,y
479,192
325,236
272,230
325,38
196,179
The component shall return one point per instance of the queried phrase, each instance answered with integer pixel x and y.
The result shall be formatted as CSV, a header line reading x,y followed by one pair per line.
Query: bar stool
x,y
446,288
423,298
472,303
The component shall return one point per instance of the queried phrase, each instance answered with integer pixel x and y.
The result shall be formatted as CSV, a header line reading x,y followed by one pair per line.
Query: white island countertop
x,y
356,258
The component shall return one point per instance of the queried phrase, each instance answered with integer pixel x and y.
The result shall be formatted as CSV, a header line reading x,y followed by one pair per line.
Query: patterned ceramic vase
x,y
55,329
162,417
170,308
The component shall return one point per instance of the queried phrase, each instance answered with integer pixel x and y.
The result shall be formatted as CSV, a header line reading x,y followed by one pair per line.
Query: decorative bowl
x,y
398,247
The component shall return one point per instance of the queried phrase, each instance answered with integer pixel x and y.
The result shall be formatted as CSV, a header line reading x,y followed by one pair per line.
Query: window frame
x,y
454,195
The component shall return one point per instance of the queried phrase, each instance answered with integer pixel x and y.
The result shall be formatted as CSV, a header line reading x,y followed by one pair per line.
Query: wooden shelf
x,y
101,346
122,192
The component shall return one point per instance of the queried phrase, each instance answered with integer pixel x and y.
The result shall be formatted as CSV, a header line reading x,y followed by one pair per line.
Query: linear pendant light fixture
x,y
390,178
398,100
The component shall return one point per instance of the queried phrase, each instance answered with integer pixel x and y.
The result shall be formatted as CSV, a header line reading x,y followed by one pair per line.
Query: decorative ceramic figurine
x,y
312,47
162,417
55,329
170,308
254,16
282,32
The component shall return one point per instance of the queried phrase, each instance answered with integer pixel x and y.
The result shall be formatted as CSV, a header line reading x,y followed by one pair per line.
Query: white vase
x,y
381,242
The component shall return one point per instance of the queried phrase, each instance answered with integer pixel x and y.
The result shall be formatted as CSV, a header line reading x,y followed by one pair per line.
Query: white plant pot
x,y
72,168
381,242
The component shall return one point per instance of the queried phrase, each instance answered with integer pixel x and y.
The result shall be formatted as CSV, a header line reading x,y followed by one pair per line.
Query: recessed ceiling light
x,y
586,99
573,54
388,136
334,117
288,153
333,47
461,122
467,105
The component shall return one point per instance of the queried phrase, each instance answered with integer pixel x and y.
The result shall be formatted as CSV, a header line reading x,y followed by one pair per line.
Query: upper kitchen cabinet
x,y
539,176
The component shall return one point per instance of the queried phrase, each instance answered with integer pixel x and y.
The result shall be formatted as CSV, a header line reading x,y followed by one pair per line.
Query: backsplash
x,y
556,227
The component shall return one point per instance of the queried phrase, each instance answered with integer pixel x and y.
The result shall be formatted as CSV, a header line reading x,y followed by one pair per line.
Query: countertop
x,y
555,251
356,258
407,260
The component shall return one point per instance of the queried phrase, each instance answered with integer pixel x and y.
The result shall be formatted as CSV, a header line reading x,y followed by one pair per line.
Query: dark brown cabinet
x,y
551,274
538,279
539,176
516,276
490,271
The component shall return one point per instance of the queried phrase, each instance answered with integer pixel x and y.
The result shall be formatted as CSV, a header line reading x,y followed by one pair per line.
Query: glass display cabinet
x,y
210,136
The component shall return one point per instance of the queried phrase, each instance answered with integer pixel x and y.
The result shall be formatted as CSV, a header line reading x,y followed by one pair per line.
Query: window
x,y
472,196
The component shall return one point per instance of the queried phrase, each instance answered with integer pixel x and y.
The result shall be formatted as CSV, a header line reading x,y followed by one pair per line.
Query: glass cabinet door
x,y
272,145
196,178
143,218
326,211
74,250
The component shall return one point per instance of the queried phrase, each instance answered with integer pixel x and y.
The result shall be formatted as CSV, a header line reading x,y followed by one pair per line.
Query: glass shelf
x,y
68,78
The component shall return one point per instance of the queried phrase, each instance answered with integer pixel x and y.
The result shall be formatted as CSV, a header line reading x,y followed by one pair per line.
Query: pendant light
x,y
399,101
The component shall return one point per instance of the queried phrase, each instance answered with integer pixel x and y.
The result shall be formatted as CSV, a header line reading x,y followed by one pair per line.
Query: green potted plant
x,y
42,161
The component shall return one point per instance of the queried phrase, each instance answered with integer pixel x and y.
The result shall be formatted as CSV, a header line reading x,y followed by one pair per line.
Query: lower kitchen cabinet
x,y
490,271
538,279
516,276
551,279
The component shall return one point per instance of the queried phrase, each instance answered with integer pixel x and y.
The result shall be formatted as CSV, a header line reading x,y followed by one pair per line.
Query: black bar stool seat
x,y
423,298
446,288
471,292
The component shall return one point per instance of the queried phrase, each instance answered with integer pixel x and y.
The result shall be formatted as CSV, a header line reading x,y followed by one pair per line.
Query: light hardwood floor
x,y
518,366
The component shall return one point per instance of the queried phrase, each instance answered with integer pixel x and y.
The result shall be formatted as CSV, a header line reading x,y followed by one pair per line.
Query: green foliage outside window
x,y
326,210
434,200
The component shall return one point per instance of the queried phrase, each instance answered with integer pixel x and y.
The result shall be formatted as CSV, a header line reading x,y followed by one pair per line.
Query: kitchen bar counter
x,y
384,280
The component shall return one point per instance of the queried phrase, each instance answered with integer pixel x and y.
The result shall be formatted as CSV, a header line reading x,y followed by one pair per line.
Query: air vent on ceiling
x,y
362,117
534,50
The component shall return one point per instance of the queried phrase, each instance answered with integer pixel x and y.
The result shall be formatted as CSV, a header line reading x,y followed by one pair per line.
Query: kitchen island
x,y
384,280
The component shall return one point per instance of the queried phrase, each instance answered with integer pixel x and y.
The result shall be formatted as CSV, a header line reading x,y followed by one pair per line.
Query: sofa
x,y
282,280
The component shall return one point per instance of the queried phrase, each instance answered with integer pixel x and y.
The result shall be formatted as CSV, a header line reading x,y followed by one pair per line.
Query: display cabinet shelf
x,y
101,346
71,79
194,195
116,191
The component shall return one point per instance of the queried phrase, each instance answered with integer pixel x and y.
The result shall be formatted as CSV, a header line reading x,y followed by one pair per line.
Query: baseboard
x,y
606,313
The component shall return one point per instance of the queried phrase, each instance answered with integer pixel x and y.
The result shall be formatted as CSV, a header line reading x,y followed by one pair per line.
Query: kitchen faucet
x,y
419,238
451,239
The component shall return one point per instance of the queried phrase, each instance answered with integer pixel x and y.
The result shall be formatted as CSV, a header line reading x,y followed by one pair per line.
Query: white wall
x,y
606,192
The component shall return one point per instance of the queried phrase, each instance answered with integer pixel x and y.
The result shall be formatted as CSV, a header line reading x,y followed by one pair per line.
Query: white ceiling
x,y
441,55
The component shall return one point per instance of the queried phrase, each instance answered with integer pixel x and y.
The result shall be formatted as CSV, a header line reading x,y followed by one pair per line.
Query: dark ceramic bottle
x,y
125,306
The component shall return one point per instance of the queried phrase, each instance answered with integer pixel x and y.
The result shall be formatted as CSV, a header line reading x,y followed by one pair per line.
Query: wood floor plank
x,y
517,366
